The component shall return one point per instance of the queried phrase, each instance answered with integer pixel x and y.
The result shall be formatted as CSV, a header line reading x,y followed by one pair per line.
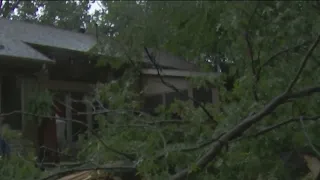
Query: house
x,y
34,58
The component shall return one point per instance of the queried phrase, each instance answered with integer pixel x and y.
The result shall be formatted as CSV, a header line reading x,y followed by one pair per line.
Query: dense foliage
x,y
266,53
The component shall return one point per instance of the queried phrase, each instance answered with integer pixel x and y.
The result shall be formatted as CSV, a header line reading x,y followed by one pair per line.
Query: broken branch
x,y
304,92
249,121
276,126
303,64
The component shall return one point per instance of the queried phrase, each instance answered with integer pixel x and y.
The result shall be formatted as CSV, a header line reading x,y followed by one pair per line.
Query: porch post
x,y
89,116
68,117
190,90
1,118
215,95
163,95
0,92
23,105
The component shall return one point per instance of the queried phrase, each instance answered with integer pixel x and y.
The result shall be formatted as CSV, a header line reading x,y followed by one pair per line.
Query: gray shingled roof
x,y
46,35
167,59
18,49
17,36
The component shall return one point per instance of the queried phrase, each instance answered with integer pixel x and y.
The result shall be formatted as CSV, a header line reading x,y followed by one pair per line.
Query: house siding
x,y
156,93
166,59
153,85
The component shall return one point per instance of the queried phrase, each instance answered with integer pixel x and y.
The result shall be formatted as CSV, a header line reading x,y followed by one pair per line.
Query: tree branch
x,y
270,60
251,53
242,127
276,126
249,121
303,64
191,148
273,57
153,61
304,92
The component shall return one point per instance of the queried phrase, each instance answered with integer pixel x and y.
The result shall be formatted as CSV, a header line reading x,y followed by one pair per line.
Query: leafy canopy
x,y
257,46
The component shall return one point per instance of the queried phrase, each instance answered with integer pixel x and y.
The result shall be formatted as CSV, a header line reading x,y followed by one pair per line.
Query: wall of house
x,y
156,93
68,98
152,84
69,89
166,59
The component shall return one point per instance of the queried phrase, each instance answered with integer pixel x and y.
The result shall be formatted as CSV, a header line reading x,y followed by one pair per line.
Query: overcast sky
x,y
96,6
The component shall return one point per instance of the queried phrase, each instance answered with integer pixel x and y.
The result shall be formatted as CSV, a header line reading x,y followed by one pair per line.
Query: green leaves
x,y
40,104
213,35
200,31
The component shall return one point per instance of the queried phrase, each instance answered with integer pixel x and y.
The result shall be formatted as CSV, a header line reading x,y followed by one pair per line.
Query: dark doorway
x,y
11,101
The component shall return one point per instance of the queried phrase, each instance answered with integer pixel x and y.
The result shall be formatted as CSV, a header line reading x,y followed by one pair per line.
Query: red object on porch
x,y
48,140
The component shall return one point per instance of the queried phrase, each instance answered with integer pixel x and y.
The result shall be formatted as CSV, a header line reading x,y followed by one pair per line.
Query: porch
x,y
20,81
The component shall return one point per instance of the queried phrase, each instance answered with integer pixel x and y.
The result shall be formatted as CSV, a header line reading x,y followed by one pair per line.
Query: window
x,y
170,97
152,102
202,95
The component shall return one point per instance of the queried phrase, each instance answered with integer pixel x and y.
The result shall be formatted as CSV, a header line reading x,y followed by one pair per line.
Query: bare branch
x,y
176,89
303,63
